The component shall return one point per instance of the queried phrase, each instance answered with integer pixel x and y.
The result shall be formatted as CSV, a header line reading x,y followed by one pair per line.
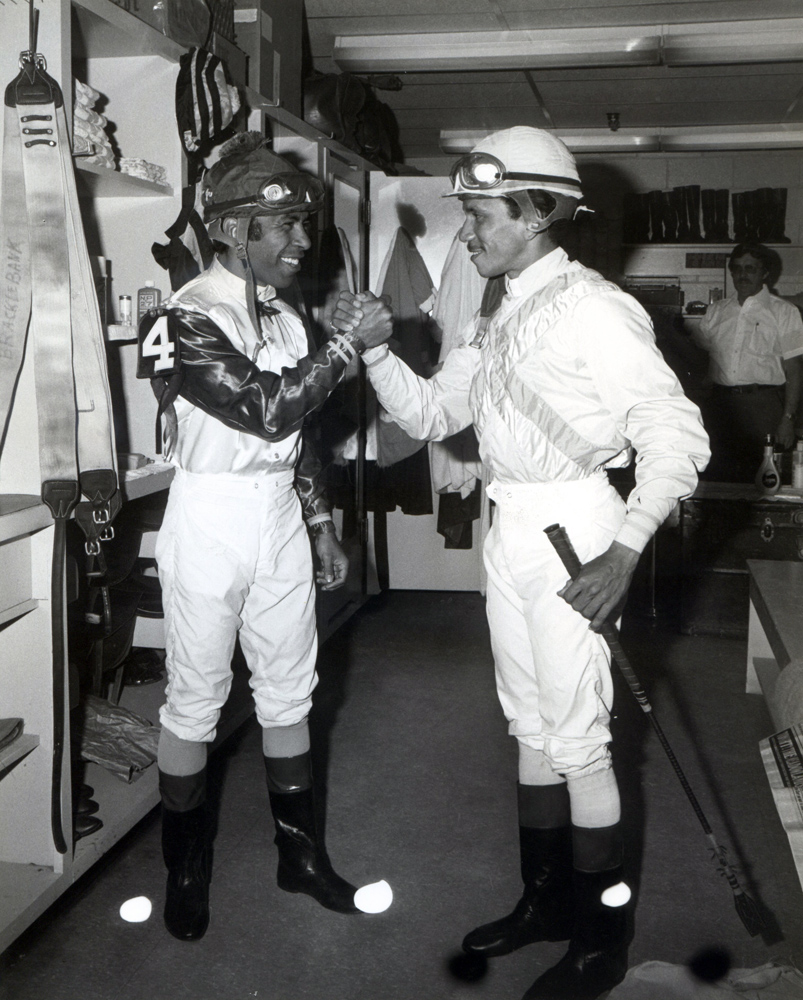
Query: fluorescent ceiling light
x,y
735,42
456,141
478,50
734,137
589,140
779,40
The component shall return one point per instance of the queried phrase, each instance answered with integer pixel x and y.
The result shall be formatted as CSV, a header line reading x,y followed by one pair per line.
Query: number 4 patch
x,y
159,347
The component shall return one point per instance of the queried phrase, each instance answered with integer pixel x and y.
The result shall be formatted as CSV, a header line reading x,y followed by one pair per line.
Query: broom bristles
x,y
750,914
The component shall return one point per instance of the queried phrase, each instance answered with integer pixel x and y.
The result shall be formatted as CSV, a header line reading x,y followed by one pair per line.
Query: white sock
x,y
286,741
180,757
595,799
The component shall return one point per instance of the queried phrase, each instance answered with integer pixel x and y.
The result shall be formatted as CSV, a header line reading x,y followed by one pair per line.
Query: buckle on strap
x,y
61,496
34,85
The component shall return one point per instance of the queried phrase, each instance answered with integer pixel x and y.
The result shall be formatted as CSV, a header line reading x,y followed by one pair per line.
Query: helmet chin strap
x,y
241,248
539,224
239,243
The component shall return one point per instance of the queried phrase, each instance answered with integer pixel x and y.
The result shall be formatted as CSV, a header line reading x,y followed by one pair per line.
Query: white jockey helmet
x,y
516,159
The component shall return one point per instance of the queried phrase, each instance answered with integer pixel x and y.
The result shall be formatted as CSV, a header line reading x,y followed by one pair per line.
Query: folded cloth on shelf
x,y
86,94
91,117
10,730
82,143
116,738
138,167
93,132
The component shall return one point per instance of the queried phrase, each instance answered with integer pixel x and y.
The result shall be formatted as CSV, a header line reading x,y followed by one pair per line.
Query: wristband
x,y
354,342
323,527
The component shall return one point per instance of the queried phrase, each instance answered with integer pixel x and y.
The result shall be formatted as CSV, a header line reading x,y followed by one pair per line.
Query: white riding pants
x,y
552,673
234,558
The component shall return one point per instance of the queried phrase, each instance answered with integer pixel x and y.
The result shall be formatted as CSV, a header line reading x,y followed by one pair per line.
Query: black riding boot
x,y
187,855
597,957
304,865
546,907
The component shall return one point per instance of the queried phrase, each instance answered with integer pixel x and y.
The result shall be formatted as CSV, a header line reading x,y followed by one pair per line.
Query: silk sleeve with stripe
x,y
309,482
223,382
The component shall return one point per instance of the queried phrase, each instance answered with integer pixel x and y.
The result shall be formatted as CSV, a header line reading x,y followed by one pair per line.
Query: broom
x,y
747,908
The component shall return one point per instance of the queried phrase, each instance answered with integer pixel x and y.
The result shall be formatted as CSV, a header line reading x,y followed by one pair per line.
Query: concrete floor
x,y
421,792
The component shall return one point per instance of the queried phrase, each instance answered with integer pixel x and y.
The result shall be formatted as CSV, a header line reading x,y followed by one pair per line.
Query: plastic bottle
x,y
768,478
124,308
148,297
797,466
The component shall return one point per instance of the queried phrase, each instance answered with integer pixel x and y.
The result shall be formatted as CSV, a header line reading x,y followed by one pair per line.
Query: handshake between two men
x,y
365,315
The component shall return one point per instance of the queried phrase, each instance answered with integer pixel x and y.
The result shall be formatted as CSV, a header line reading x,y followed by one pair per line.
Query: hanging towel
x,y
406,280
455,463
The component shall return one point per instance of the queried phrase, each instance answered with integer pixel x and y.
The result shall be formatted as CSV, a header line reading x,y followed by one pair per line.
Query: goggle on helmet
x,y
281,192
477,173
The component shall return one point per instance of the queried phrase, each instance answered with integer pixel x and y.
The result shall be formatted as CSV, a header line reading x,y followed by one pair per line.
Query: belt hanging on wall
x,y
48,307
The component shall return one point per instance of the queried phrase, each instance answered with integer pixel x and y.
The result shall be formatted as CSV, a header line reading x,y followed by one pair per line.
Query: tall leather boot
x,y
739,217
628,217
187,854
763,223
597,957
692,195
778,231
656,205
304,864
750,219
721,215
708,200
680,204
545,910
670,217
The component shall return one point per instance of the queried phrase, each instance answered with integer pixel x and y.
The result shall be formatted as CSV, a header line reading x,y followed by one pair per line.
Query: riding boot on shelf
x,y
692,195
304,864
739,217
671,219
708,199
655,200
187,854
751,220
546,907
763,209
635,218
678,196
597,957
721,215
777,232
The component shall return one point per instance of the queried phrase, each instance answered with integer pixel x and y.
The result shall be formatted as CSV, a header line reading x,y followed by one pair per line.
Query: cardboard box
x,y
270,33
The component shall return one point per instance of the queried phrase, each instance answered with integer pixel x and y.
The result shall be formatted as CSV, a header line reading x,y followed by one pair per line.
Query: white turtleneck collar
x,y
537,275
236,285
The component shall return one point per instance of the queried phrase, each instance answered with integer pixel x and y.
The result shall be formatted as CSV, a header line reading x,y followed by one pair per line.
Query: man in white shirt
x,y
755,342
231,366
562,382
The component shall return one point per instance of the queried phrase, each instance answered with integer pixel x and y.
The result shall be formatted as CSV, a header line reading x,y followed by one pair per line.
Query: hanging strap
x,y
48,284
491,300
